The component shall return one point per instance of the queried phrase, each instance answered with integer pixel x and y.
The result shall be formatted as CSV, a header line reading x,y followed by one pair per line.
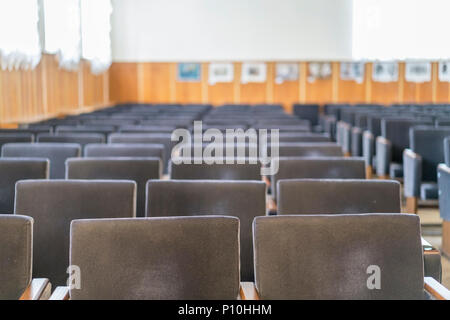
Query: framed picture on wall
x,y
189,72
221,72
385,71
319,70
418,72
253,72
286,72
444,71
352,71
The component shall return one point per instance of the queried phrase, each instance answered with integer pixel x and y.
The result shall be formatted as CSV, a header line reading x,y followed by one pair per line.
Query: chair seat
x,y
396,170
429,191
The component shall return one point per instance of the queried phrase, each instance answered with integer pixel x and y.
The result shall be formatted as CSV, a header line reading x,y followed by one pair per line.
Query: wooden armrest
x,y
271,204
410,153
60,293
444,167
383,140
436,290
38,289
428,248
248,291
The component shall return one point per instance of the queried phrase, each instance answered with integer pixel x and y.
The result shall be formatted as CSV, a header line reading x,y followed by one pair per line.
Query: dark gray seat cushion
x,y
158,258
57,153
16,250
53,204
243,199
328,257
317,168
139,170
13,170
309,196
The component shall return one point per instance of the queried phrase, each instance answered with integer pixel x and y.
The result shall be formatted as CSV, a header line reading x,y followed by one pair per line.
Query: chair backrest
x,y
152,138
310,196
86,129
309,150
187,258
243,199
374,256
303,137
447,151
397,132
307,111
53,204
57,153
81,138
16,250
139,170
15,137
204,171
317,168
127,150
13,170
429,143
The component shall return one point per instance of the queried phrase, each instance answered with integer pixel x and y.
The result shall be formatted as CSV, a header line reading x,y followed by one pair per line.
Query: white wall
x,y
231,30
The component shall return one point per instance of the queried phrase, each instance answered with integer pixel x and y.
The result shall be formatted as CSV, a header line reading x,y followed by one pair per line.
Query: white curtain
x,y
95,31
19,34
63,31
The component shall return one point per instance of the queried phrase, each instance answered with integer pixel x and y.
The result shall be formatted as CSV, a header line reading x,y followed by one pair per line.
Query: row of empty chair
x,y
176,228
55,205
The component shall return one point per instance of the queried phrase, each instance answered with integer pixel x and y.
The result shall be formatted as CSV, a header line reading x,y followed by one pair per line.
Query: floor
x,y
432,232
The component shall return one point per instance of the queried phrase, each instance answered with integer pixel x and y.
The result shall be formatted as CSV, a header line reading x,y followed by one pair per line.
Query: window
x,y
400,29
19,34
95,31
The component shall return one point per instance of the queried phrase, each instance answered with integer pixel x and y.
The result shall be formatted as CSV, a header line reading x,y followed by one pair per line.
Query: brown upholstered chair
x,y
317,168
57,153
13,170
139,170
304,197
243,199
16,255
187,258
371,256
53,204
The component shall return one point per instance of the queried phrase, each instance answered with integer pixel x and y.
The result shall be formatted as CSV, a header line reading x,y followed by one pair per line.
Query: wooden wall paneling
x,y
319,91
287,93
221,93
416,92
442,92
383,92
188,91
237,82
350,91
156,82
302,81
2,97
204,82
253,92
123,86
